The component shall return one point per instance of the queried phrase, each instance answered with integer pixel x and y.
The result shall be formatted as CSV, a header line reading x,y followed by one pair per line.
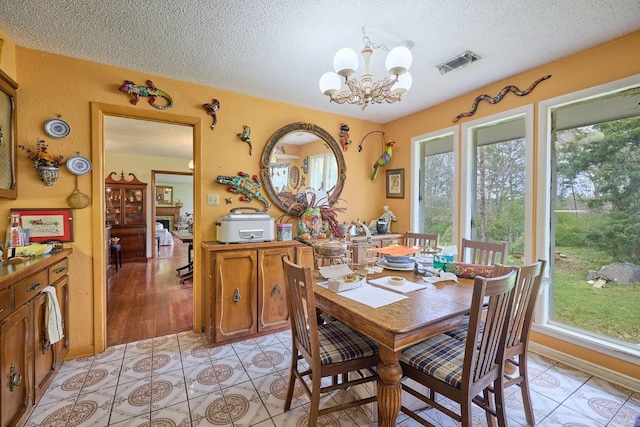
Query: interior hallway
x,y
147,300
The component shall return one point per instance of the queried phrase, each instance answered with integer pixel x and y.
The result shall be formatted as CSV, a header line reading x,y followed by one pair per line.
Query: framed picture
x,y
395,184
47,224
164,195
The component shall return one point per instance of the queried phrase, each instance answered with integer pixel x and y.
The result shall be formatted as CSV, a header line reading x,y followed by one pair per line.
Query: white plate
x,y
57,128
397,267
79,165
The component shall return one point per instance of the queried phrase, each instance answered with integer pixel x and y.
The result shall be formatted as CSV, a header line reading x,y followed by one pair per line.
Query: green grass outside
x,y
613,310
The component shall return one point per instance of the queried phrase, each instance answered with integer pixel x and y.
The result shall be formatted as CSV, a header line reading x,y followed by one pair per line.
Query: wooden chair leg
x,y
499,396
524,389
315,402
292,382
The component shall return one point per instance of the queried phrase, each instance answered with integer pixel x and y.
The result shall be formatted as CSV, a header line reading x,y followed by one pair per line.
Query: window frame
x,y
543,323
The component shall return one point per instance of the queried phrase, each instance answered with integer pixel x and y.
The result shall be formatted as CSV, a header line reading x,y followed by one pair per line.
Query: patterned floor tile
x,y
628,415
594,402
557,385
564,416
200,380
173,415
180,380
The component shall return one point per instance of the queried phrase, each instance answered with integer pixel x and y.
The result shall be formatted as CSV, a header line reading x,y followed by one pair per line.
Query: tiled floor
x,y
178,380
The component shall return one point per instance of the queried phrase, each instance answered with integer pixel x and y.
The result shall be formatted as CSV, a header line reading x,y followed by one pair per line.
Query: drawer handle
x,y
36,285
236,296
60,270
15,377
45,344
276,290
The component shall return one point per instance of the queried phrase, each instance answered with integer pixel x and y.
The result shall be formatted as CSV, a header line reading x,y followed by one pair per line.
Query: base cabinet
x,y
16,365
28,361
244,292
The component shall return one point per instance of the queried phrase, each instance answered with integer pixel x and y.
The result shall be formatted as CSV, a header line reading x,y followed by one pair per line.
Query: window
x,y
498,208
323,172
594,214
435,192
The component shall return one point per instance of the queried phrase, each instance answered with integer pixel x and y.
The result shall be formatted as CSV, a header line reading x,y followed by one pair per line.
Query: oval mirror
x,y
301,157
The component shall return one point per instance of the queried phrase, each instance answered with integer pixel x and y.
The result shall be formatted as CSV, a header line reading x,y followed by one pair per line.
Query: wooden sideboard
x,y
243,284
28,361
243,287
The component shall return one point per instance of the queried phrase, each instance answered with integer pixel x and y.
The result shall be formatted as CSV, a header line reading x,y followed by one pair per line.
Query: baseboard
x,y
588,367
76,352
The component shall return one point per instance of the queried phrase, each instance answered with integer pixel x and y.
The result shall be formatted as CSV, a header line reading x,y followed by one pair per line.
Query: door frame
x,y
98,112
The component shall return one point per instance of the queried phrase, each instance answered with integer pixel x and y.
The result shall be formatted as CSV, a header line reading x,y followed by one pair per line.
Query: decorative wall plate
x,y
57,128
79,165
294,177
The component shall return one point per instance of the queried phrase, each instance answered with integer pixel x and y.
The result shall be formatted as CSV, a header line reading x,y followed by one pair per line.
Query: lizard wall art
x,y
150,91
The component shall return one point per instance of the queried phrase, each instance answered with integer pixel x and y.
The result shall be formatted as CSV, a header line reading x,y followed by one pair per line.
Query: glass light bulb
x,y
403,84
191,166
345,62
330,83
398,60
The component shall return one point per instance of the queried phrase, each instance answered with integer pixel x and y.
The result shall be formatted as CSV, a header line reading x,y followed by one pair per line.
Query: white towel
x,y
444,276
52,315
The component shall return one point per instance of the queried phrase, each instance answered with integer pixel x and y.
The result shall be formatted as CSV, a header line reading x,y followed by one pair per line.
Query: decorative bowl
x,y
405,259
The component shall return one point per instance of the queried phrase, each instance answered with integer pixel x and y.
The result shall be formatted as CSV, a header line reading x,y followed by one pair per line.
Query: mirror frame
x,y
269,151
9,88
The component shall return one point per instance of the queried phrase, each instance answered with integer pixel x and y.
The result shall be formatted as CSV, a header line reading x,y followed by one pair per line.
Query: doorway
x,y
101,115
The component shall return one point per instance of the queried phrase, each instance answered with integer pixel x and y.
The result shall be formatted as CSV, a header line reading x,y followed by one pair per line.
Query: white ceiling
x,y
278,49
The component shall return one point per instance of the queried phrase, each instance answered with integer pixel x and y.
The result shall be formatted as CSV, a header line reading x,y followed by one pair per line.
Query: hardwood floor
x,y
147,300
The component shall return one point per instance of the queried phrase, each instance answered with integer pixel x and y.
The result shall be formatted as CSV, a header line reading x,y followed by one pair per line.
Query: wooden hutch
x,y
127,215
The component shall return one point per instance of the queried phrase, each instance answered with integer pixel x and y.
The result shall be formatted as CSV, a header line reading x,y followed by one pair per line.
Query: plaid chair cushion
x,y
440,356
460,333
340,343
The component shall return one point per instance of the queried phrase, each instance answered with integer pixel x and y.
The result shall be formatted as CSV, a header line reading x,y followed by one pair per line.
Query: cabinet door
x,y
43,351
272,300
61,348
133,206
304,256
16,361
133,242
235,293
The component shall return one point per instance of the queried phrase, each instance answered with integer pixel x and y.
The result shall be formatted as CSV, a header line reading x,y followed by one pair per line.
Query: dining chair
x,y
517,343
421,239
331,350
466,371
476,252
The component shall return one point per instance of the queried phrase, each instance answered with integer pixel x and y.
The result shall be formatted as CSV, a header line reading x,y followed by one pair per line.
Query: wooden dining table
x,y
425,313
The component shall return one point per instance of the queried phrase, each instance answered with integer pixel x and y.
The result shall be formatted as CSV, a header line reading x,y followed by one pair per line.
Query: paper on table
x,y
370,295
407,286
334,271
444,276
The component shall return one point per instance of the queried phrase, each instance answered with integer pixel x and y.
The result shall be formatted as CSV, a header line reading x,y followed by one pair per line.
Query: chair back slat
x,y
301,303
421,239
476,252
483,358
526,292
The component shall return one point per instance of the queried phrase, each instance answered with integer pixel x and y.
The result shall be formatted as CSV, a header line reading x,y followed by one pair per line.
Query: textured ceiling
x,y
278,49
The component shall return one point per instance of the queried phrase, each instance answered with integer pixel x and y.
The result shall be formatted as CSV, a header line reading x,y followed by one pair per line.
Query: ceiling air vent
x,y
458,62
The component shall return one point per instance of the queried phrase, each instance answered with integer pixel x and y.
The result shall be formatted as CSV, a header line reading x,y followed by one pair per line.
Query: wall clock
x,y
294,177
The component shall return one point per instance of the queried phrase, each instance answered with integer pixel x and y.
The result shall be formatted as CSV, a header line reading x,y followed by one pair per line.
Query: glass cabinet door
x,y
133,206
113,209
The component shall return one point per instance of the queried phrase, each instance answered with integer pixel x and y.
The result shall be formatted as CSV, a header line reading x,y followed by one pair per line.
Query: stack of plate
x,y
402,263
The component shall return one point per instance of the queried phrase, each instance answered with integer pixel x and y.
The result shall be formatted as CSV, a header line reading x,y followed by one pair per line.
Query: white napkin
x,y
443,277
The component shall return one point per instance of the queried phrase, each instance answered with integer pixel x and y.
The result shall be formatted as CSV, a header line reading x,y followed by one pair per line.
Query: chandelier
x,y
365,91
